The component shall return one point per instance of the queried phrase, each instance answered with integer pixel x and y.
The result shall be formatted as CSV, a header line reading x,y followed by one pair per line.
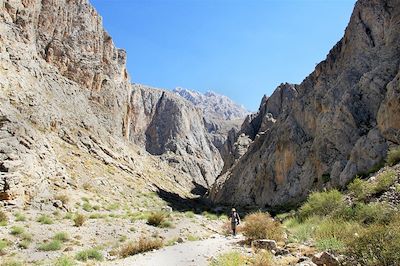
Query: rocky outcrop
x,y
338,122
213,105
64,108
221,114
171,127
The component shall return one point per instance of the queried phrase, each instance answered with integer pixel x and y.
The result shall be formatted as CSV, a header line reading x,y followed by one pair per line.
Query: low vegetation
x,y
44,219
61,236
233,258
16,230
64,261
89,254
261,225
19,217
79,219
3,218
393,156
143,245
51,246
158,219
366,232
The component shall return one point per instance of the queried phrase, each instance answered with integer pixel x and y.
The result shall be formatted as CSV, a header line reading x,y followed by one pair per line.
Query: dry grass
x,y
260,225
79,220
156,219
144,244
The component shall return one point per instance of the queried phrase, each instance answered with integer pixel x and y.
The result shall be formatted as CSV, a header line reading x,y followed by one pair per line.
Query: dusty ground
x,y
106,230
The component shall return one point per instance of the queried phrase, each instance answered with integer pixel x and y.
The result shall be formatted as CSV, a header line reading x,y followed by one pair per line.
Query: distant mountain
x,y
214,105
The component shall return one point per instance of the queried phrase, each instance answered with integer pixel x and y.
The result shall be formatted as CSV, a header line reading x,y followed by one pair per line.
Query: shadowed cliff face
x,y
339,123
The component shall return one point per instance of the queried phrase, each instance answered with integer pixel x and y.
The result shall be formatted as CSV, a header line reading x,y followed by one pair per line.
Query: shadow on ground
x,y
178,203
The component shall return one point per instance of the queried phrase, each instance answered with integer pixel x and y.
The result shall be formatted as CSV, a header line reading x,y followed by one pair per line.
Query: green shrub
x,y
87,207
3,245
233,258
156,218
19,217
143,245
50,246
300,232
192,238
79,220
322,204
89,254
373,213
376,245
260,225
64,261
263,258
11,262
210,216
24,244
331,244
61,236
360,189
44,219
393,156
332,234
3,218
16,230
97,216
384,181
189,214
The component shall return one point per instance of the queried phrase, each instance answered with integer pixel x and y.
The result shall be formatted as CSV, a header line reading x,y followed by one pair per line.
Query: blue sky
x,y
240,48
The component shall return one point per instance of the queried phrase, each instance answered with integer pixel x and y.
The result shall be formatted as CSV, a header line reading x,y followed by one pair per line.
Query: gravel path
x,y
192,253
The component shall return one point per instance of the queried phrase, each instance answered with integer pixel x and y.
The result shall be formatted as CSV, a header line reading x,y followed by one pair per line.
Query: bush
x,y
51,246
377,212
64,198
3,217
332,234
24,244
144,244
322,204
19,217
360,189
156,218
260,225
87,207
3,245
210,216
61,236
44,219
384,181
263,258
393,156
16,230
233,258
64,261
300,232
376,245
89,254
189,214
79,220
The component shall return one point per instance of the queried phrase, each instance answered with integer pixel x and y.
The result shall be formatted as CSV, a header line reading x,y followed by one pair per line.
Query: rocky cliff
x,y
65,105
173,128
339,122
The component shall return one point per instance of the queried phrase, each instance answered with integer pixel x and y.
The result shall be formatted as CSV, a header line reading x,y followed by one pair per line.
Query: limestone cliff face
x,y
64,108
338,122
221,114
173,128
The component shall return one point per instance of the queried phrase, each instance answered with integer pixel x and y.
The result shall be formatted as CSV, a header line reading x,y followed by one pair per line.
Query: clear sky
x,y
240,48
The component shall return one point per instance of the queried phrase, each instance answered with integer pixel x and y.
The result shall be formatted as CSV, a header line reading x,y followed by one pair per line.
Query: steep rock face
x,y
340,124
64,99
172,128
220,113
238,141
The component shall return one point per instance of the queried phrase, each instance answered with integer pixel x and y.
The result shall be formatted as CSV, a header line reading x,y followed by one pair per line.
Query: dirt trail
x,y
191,253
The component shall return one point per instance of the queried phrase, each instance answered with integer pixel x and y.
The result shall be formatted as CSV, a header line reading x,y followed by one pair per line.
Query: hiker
x,y
235,220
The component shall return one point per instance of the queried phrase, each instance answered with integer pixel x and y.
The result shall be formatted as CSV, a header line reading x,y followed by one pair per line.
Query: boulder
x,y
264,244
325,259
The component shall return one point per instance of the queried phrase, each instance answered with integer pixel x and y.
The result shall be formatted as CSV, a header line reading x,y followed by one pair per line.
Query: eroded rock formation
x,y
339,122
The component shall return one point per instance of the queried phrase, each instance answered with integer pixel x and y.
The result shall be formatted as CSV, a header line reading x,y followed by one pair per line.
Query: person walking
x,y
235,221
